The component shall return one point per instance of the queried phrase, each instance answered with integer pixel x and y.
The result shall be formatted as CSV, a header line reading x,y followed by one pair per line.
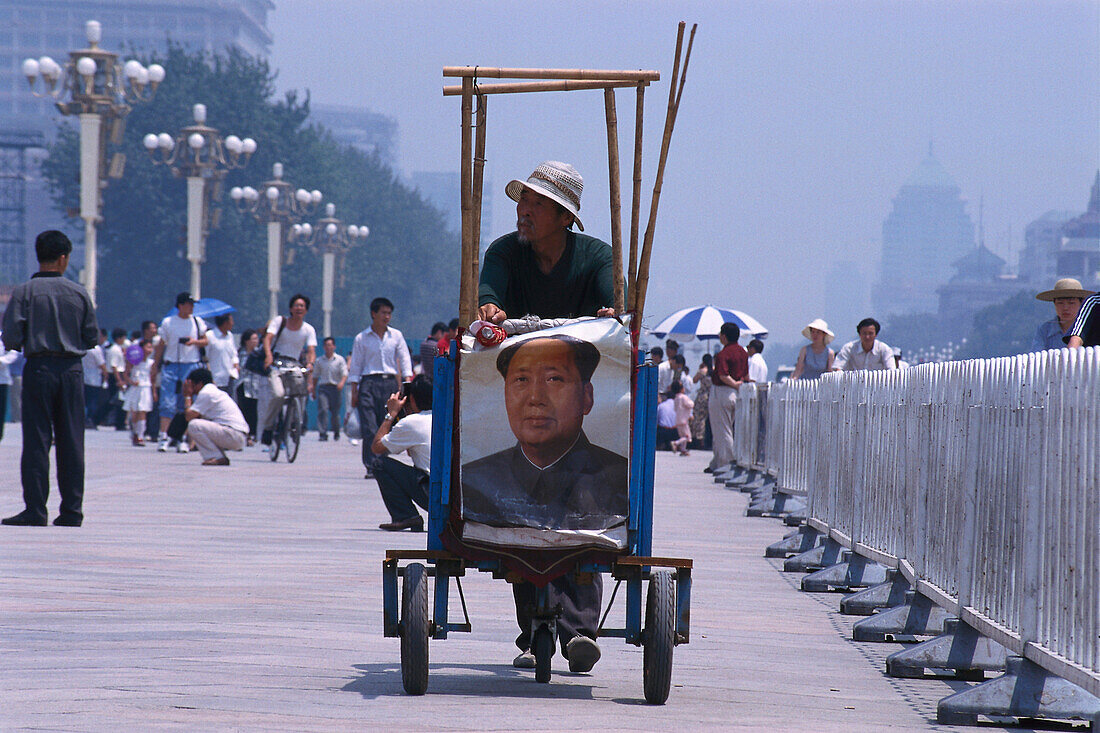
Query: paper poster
x,y
545,436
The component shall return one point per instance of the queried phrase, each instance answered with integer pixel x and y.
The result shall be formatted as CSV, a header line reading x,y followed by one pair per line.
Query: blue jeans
x,y
171,386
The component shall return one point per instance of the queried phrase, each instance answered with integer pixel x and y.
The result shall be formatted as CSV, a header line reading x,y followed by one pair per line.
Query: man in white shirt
x,y
330,373
664,368
214,422
865,352
221,352
403,485
94,364
183,336
758,368
110,411
380,360
287,337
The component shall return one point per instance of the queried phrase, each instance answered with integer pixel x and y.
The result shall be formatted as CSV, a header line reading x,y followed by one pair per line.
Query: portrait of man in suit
x,y
553,477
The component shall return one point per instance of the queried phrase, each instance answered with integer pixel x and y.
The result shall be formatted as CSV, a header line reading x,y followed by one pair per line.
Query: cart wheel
x,y
414,630
293,429
542,646
660,637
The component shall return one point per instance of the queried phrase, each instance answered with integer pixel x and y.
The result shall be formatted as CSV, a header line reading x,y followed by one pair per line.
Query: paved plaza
x,y
249,598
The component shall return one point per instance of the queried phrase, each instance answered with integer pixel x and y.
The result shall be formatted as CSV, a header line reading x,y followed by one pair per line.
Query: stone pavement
x,y
249,598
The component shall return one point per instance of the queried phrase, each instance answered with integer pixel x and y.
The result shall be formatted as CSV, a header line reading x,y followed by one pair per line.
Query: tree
x,y
410,256
1006,328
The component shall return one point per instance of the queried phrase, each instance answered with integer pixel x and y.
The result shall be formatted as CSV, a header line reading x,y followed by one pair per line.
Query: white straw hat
x,y
1067,287
558,181
820,325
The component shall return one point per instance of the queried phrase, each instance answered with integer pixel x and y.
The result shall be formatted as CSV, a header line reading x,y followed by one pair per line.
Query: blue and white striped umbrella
x,y
704,321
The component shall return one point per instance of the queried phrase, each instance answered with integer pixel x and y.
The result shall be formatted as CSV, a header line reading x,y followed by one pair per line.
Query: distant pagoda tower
x,y
927,231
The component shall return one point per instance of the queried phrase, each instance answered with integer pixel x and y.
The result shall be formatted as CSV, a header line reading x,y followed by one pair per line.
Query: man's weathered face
x,y
867,336
538,217
381,317
545,397
1067,308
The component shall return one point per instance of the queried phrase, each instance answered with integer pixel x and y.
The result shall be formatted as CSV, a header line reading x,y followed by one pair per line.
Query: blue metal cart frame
x,y
670,578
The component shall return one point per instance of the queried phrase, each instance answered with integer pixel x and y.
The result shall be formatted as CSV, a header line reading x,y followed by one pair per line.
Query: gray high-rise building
x,y
927,230
36,28
370,132
1042,240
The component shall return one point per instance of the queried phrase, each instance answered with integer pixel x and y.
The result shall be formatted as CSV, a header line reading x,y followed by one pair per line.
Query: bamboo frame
x,y
473,162
565,85
675,91
478,72
616,197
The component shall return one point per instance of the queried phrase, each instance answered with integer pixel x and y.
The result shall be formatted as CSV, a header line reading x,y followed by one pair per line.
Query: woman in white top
x,y
295,339
139,397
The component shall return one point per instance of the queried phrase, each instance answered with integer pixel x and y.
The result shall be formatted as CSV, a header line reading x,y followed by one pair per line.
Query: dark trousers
x,y
401,485
110,407
373,393
53,408
328,409
580,608
93,398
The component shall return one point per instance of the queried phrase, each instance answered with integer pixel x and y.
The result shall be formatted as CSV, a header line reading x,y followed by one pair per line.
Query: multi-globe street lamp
x,y
95,87
199,153
278,206
332,238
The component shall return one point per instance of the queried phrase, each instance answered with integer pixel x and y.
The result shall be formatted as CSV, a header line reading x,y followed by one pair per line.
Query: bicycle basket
x,y
294,382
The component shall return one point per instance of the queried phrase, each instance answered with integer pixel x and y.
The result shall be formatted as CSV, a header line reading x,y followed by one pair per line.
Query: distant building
x,y
926,232
979,281
36,28
1079,251
1042,240
370,132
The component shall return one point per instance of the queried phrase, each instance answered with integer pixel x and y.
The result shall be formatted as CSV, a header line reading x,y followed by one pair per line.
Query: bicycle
x,y
289,425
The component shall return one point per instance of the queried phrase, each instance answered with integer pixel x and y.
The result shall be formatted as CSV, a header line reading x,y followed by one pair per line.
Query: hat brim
x,y
515,188
1050,295
829,335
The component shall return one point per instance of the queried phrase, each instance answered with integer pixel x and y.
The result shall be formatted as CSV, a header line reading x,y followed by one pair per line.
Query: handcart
x,y
657,626
663,621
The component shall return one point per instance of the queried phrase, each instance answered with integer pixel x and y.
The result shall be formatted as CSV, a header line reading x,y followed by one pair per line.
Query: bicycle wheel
x,y
277,435
293,431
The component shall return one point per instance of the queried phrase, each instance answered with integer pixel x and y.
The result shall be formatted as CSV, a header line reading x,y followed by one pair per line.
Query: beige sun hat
x,y
820,325
558,181
1067,287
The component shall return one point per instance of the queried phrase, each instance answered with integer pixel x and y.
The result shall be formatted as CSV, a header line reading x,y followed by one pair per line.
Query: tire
x,y
660,637
293,429
542,646
276,438
414,630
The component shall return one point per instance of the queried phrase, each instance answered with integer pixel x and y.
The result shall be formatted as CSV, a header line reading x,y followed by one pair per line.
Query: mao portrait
x,y
553,477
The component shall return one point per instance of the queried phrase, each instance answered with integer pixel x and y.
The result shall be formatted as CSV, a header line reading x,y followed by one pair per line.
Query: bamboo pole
x,y
616,197
674,94
466,297
636,197
454,90
481,72
478,183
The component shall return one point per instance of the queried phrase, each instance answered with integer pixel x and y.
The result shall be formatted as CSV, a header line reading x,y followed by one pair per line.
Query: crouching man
x,y
214,422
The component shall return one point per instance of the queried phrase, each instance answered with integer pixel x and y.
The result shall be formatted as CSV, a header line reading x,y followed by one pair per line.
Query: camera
x,y
184,340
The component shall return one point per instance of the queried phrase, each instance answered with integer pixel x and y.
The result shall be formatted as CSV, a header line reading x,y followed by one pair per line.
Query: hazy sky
x,y
799,121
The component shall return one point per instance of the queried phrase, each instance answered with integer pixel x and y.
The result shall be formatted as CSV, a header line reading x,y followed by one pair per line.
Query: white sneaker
x,y
183,447
163,445
353,441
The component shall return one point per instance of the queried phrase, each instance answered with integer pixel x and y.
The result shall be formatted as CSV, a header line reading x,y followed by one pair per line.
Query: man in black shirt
x,y
53,321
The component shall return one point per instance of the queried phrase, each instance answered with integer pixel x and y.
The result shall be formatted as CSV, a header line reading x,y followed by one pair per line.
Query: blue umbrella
x,y
704,321
208,308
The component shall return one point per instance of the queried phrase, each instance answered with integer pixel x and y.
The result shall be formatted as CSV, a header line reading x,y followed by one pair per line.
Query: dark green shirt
x,y
579,285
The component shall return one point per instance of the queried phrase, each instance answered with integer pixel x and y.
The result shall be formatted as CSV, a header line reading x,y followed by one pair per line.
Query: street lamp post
x,y
198,153
333,240
279,206
93,86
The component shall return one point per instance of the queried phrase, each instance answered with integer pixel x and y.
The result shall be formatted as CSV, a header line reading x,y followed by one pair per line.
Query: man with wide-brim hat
x,y
545,268
1067,296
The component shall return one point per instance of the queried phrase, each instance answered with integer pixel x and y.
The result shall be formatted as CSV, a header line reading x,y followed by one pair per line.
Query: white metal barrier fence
x,y
978,480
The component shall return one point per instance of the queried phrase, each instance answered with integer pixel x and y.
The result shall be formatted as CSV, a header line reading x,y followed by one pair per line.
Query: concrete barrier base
x,y
961,652
802,539
917,617
884,595
1025,691
827,553
858,572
